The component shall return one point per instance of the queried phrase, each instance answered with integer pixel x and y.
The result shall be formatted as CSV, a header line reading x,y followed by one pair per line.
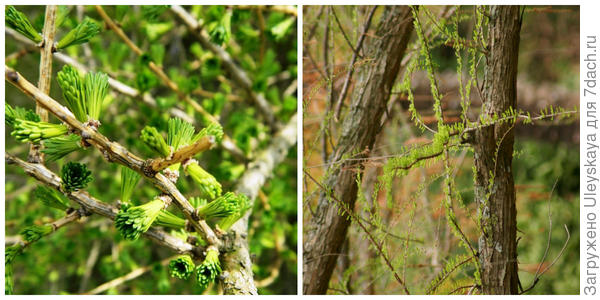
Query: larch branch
x,y
93,205
112,151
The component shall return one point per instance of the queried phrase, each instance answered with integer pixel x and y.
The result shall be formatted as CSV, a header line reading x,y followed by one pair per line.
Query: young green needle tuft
x,y
75,176
181,267
84,31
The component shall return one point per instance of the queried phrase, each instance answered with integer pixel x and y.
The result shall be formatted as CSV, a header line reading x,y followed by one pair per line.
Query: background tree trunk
x,y
326,231
493,146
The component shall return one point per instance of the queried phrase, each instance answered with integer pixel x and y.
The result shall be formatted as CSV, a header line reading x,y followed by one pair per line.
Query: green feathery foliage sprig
x,y
220,31
152,12
182,267
96,89
35,232
454,264
197,201
282,28
29,131
207,272
58,147
19,22
207,183
426,55
155,141
11,114
51,197
213,129
222,207
84,31
75,176
129,180
8,279
73,91
179,133
133,221
9,255
243,206
168,219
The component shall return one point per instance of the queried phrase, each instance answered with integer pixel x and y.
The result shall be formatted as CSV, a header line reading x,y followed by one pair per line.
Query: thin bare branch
x,y
286,9
361,38
127,277
182,154
337,20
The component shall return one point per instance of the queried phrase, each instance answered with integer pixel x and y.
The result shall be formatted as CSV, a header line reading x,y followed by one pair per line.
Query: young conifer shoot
x,y
207,183
133,221
209,269
182,267
58,147
29,131
51,198
129,180
224,206
84,31
96,89
155,141
10,253
12,114
73,91
179,133
19,22
243,206
75,176
35,232
220,31
168,219
213,129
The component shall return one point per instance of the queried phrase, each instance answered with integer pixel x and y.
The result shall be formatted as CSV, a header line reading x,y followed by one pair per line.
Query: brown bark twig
x,y
35,154
205,143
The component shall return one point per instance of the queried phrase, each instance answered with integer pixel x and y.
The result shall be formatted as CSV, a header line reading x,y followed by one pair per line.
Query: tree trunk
x,y
326,231
493,146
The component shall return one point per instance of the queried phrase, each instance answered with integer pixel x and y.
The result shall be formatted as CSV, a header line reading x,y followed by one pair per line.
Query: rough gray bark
x,y
326,231
494,185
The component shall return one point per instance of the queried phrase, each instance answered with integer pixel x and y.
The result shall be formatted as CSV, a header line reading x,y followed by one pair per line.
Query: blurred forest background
x,y
82,256
546,156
